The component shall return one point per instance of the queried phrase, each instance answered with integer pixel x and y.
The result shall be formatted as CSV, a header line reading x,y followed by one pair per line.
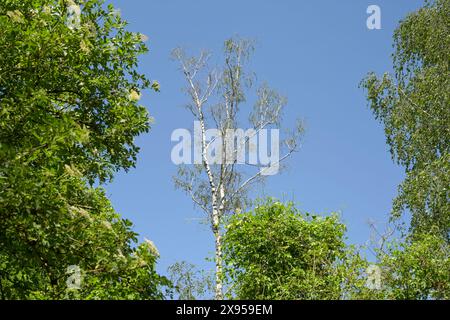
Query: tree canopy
x,y
69,112
413,105
277,252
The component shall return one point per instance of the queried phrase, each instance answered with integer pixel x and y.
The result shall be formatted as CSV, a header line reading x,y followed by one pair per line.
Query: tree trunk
x,y
218,258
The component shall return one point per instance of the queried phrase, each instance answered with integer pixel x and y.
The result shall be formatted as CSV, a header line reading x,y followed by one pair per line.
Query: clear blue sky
x,y
315,53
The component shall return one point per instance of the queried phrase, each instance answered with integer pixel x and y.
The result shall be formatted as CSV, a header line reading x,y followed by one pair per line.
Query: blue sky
x,y
315,53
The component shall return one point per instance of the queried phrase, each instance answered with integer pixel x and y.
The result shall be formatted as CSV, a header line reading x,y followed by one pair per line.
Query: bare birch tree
x,y
219,182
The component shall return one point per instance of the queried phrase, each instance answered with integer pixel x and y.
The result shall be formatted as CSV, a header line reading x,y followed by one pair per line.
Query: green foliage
x,y
81,81
276,252
68,117
413,106
189,282
413,269
417,269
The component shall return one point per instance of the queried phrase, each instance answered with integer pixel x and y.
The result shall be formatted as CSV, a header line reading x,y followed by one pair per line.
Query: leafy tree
x,y
277,252
220,182
409,266
416,269
189,282
69,112
413,105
